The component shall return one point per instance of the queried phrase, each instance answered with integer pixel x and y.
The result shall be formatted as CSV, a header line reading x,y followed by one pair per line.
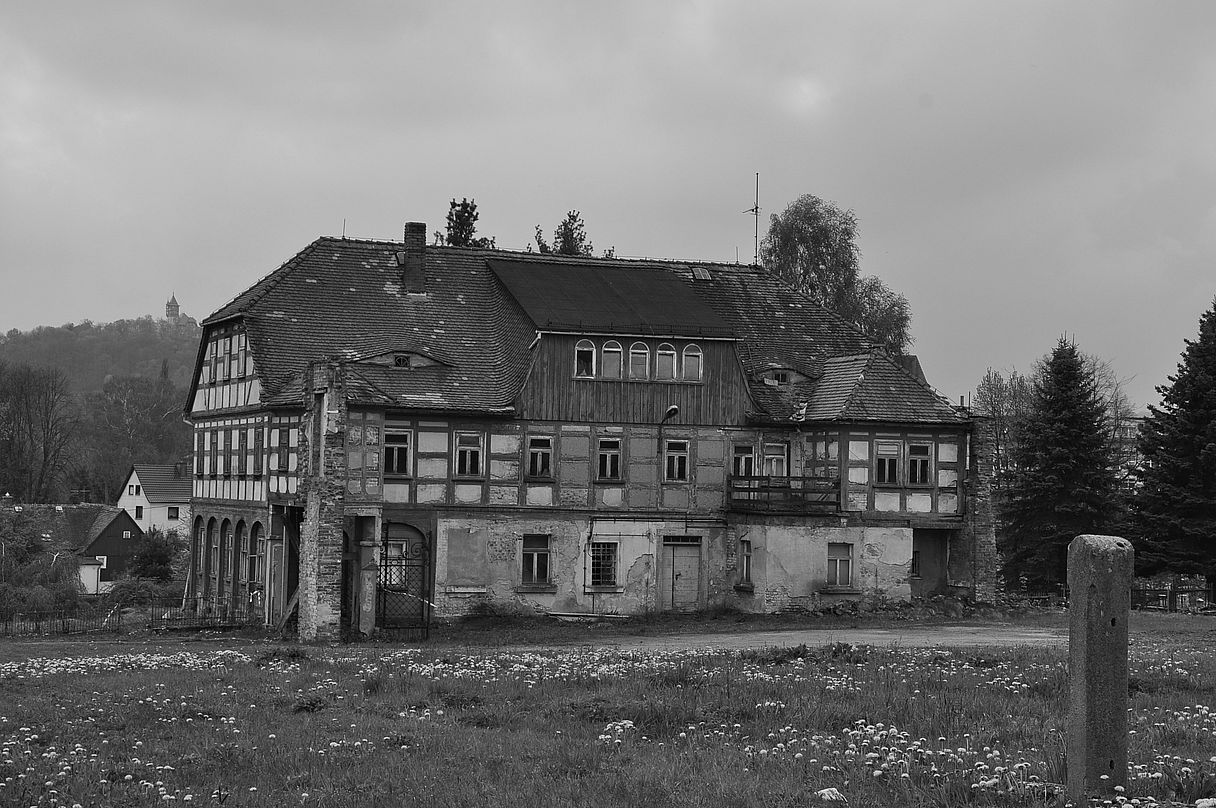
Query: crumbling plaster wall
x,y
790,564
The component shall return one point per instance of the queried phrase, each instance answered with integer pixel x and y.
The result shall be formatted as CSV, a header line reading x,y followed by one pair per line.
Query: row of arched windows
x,y
610,361
227,562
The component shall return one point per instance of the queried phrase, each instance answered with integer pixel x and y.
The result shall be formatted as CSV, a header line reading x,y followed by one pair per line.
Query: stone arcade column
x,y
323,485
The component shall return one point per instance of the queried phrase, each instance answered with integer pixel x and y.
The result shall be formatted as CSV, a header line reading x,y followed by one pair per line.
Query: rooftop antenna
x,y
754,210
343,227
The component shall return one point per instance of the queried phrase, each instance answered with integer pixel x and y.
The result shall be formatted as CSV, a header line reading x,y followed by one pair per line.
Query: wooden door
x,y
681,575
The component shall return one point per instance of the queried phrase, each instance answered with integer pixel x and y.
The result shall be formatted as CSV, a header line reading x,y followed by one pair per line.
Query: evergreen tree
x,y
462,226
1176,501
1063,481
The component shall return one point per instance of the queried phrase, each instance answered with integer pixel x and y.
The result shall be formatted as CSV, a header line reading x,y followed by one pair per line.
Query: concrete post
x,y
1099,582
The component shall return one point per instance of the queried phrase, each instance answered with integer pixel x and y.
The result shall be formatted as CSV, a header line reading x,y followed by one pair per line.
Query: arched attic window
x,y
665,362
693,364
584,359
639,361
611,362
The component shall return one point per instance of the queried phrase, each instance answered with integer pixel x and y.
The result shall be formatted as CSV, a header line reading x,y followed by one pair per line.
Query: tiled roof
x,y
608,299
62,527
163,483
343,299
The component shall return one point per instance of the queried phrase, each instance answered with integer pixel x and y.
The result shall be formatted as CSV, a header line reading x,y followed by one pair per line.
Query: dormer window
x,y
584,359
781,377
401,360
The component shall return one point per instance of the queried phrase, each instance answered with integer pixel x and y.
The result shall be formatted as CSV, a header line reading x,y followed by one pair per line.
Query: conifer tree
x,y
1064,482
1176,502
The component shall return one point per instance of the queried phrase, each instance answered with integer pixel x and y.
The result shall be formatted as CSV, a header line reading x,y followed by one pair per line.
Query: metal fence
x,y
1174,598
199,612
79,621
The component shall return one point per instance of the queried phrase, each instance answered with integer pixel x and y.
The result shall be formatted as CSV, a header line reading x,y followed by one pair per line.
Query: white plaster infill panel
x,y
396,492
947,503
886,501
433,442
611,497
539,495
947,452
859,450
467,493
504,444
920,502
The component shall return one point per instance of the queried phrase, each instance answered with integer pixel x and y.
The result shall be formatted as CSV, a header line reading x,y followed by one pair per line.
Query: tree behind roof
x,y
1175,510
462,226
812,244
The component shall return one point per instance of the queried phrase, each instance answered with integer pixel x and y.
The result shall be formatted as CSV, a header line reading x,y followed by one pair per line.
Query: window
x,y
228,460
258,449
886,471
584,359
284,445
675,461
603,563
918,463
104,561
639,361
745,561
692,363
665,363
243,451
610,365
199,452
540,457
213,452
468,454
397,452
137,490
536,560
609,459
173,514
840,564
139,511
914,571
126,534
743,462
777,459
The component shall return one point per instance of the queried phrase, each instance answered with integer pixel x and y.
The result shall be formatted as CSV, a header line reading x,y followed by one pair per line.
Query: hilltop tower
x,y
172,309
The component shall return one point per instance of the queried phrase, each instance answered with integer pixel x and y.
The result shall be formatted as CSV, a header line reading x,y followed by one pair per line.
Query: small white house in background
x,y
157,496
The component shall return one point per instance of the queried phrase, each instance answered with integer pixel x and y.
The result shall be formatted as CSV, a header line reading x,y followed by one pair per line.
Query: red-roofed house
x,y
386,430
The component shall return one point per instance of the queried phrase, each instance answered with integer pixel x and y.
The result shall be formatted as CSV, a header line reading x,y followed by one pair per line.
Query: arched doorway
x,y
196,558
210,557
256,571
223,571
240,564
403,595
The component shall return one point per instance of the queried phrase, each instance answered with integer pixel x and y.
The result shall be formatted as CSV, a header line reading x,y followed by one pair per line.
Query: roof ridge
x,y
270,280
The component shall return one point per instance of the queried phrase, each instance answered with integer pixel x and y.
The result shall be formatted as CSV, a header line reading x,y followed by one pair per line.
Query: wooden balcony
x,y
798,495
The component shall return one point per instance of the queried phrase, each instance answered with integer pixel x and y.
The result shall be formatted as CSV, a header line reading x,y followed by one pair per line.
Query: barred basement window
x,y
536,560
540,457
603,563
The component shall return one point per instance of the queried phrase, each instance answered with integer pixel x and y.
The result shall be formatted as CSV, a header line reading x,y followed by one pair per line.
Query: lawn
x,y
238,722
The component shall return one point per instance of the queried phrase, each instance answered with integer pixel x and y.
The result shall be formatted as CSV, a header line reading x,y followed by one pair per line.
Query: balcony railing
x,y
784,494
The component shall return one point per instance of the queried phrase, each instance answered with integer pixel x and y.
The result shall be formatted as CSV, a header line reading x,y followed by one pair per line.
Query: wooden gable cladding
x,y
555,391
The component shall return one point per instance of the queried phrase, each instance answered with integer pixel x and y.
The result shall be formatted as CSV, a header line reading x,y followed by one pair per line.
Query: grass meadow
x,y
268,724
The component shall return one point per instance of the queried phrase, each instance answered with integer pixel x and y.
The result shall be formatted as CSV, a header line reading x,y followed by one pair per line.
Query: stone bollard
x,y
1099,582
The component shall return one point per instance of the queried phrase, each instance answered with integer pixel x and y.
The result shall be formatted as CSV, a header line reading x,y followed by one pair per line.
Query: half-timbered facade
x,y
386,430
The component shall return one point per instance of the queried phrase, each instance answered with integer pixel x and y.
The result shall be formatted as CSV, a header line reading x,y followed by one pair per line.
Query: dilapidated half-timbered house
x,y
386,431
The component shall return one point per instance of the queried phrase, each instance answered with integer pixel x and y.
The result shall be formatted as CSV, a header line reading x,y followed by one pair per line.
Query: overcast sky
x,y
1020,170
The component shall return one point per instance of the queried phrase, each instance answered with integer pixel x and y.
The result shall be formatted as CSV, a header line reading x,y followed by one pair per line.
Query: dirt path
x,y
911,636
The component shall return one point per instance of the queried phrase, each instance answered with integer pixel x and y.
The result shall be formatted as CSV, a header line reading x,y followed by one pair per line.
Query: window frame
x,y
587,347
692,350
887,465
612,347
139,511
834,559
677,472
537,452
467,451
745,562
642,350
394,446
530,558
603,453
173,513
743,451
783,458
922,462
596,569
666,351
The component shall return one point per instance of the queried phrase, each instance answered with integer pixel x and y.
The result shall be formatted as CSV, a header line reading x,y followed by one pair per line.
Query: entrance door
x,y
274,583
403,594
681,573
930,559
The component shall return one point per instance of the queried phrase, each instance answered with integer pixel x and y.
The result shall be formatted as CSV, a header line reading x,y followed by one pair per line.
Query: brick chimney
x,y
412,259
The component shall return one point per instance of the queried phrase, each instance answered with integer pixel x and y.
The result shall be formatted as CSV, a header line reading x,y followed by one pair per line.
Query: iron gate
x,y
403,596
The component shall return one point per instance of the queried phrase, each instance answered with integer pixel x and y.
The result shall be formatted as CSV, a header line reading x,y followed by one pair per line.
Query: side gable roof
x,y
163,483
876,387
